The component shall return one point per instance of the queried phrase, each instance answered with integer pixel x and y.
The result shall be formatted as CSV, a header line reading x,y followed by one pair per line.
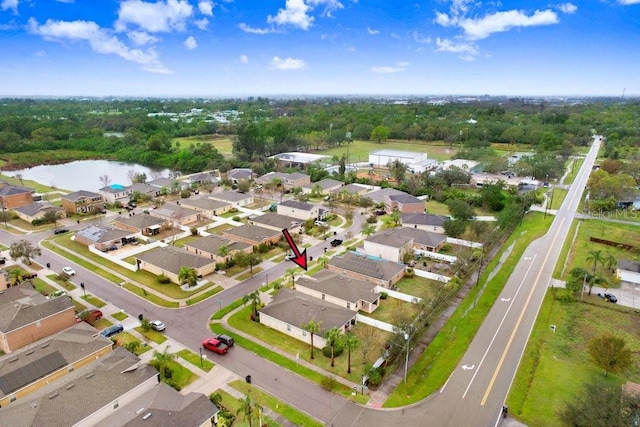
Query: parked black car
x,y
112,330
609,297
336,242
60,231
225,339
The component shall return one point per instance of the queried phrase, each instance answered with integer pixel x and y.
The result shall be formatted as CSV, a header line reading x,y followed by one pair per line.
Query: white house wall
x,y
629,276
292,330
382,251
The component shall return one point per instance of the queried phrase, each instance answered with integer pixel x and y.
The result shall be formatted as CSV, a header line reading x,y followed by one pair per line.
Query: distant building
x,y
209,247
170,259
289,180
115,192
37,210
103,237
300,210
416,162
176,213
393,243
144,224
380,196
342,291
405,203
233,198
380,272
253,235
276,222
82,202
207,207
324,186
15,196
293,159
424,221
239,174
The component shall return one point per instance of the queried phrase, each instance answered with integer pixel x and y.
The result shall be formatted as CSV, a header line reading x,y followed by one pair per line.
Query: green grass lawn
x,y
394,311
559,270
577,164
43,287
248,274
125,337
102,323
120,315
420,287
559,194
223,144
556,365
110,277
155,336
29,183
95,301
289,364
195,360
269,401
220,228
616,232
359,149
180,375
78,306
232,404
25,225
181,242
65,284
205,295
435,365
150,297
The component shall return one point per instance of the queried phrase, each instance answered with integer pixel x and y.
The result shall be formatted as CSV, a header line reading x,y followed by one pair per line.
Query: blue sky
x,y
318,47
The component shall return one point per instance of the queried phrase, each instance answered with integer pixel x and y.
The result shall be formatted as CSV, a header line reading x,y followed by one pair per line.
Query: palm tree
x,y
250,410
350,342
161,362
368,229
216,399
323,260
254,297
595,257
313,327
291,272
223,251
16,276
188,275
611,261
333,335
316,190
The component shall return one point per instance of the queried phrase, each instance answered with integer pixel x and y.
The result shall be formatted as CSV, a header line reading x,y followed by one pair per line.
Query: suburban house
x,y
325,186
168,184
176,214
300,210
104,238
4,279
117,389
115,192
340,290
404,203
169,260
289,180
233,198
239,174
201,178
382,273
289,310
351,190
276,222
14,196
209,247
32,367
424,221
253,235
37,210
82,202
206,206
144,189
144,224
393,243
380,196
27,316
629,271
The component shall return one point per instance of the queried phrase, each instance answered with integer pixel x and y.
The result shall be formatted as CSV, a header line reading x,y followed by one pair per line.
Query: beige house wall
x,y
35,331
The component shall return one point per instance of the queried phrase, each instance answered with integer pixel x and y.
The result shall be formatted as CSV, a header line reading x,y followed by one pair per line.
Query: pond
x,y
85,174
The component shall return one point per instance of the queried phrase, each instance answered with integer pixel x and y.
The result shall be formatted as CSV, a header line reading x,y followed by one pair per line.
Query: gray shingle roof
x,y
423,219
101,234
72,344
12,190
229,196
296,308
213,243
36,207
398,237
172,258
173,211
378,196
95,385
139,221
381,270
351,189
275,220
347,289
629,265
204,203
297,205
82,194
324,184
404,199
21,305
239,174
252,232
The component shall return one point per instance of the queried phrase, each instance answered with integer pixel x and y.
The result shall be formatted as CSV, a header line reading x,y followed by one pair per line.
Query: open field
x,y
556,365
359,149
223,144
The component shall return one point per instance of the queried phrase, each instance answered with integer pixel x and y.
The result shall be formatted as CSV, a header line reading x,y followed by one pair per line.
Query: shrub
x,y
328,383
185,194
337,350
372,220
236,218
194,231
263,248
36,222
163,279
63,277
384,295
233,210
409,273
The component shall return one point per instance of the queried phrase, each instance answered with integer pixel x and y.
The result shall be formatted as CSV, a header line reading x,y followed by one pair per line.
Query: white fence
x,y
398,295
375,323
434,255
432,276
461,242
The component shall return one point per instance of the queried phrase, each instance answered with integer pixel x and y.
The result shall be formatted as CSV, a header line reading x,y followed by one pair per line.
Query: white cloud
x,y
206,7
40,53
100,40
372,32
141,37
294,14
244,59
202,23
163,16
468,50
248,29
568,8
628,2
287,63
191,43
395,36
420,39
329,6
65,1
9,4
399,67
498,22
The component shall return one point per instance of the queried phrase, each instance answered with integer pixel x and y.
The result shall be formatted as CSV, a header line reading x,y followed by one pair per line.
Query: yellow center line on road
x,y
524,309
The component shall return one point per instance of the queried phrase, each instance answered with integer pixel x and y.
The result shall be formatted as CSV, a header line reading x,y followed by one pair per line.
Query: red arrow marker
x,y
300,258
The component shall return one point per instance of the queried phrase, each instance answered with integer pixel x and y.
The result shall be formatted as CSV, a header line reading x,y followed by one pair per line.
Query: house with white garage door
x,y
629,271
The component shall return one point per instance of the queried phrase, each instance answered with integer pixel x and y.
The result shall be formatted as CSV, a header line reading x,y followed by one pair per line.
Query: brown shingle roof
x,y
338,286
172,258
381,270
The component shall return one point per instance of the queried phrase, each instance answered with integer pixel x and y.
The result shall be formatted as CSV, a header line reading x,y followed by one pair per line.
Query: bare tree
x,y
155,175
105,180
19,176
131,176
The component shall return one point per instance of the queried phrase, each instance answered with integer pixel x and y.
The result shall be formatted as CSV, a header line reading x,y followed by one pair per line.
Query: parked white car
x,y
68,270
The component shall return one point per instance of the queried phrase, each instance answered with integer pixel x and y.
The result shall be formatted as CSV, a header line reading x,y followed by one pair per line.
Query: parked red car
x,y
215,345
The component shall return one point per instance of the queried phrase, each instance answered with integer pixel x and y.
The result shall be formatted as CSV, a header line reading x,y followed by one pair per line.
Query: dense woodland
x,y
48,130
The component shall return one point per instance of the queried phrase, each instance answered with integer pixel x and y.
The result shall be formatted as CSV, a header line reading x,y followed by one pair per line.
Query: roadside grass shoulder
x,y
150,297
155,336
195,360
93,300
204,296
435,365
